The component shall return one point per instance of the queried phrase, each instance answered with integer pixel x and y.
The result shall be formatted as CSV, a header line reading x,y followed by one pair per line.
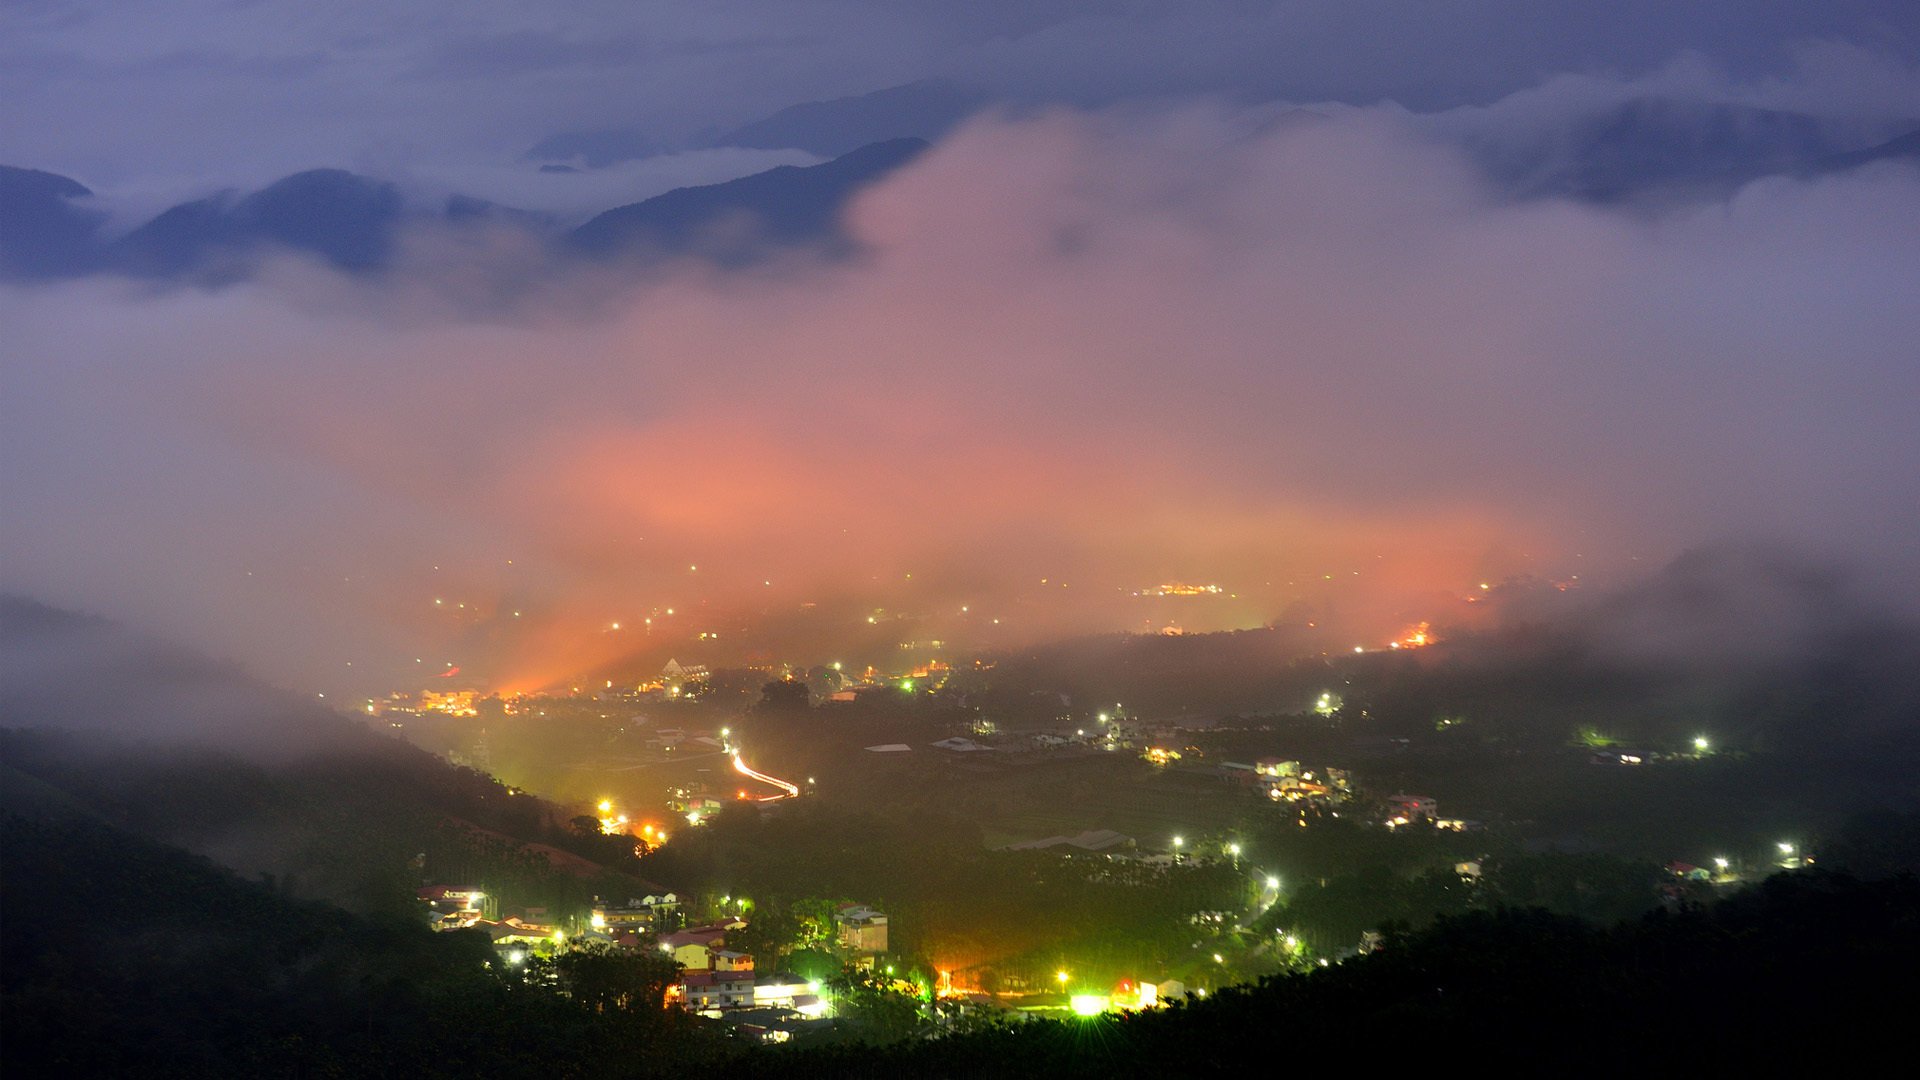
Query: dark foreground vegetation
x,y
123,957
1804,968
120,956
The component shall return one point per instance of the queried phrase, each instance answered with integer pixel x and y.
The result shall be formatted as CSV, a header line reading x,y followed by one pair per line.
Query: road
x,y
787,790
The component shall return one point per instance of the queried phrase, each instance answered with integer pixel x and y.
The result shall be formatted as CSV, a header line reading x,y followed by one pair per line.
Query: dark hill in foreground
x,y
100,723
1801,970
123,957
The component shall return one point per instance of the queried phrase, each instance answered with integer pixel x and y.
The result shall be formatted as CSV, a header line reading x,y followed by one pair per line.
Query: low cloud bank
x,y
1314,359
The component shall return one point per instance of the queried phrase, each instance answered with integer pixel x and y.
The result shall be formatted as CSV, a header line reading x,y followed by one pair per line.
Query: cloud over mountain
x,y
1198,342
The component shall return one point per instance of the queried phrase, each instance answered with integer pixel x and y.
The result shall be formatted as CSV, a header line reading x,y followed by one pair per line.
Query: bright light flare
x,y
1090,1005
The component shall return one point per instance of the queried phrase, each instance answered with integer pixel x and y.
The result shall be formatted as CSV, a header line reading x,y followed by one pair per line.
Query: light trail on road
x,y
788,790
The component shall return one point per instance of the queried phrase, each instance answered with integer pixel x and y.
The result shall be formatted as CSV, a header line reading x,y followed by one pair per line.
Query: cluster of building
x,y
1284,780
1404,810
722,982
715,980
399,706
629,922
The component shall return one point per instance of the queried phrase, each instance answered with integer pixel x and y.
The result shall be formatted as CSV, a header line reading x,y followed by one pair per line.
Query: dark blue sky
x,y
243,90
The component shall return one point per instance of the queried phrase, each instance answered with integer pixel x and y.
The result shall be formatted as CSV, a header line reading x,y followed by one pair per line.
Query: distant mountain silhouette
x,y
468,210
43,233
593,149
739,220
349,221
922,110
1659,148
1904,148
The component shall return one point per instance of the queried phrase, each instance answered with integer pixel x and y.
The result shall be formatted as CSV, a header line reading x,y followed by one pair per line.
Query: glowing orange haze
x,y
1082,356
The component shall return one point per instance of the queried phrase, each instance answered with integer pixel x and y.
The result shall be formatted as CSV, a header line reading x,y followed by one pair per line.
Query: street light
x,y
1179,842
1061,976
1273,882
1701,745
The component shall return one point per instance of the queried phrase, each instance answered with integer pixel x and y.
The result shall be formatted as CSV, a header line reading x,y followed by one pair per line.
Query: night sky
x,y
1393,294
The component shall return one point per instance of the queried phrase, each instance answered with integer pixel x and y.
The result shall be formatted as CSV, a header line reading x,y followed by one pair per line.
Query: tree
x,y
876,1006
769,934
609,980
784,696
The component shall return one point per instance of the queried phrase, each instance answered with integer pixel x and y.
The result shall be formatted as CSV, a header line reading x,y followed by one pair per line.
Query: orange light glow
x,y
1417,636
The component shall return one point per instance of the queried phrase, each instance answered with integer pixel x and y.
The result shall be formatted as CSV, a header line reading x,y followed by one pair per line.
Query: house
x,y
779,1024
1272,766
451,907
1164,992
676,672
1294,789
1239,772
783,990
961,746
693,948
711,991
459,897
639,913
516,932
861,929
1412,807
730,960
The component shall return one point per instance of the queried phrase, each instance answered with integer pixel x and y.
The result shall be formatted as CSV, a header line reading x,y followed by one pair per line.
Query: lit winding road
x,y
787,791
